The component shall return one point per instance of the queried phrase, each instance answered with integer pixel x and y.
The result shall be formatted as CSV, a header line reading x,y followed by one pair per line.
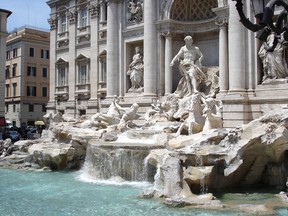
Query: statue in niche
x,y
135,11
135,71
273,59
190,58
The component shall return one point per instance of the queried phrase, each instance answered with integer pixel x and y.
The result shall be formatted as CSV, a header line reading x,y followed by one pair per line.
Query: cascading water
x,y
107,162
199,163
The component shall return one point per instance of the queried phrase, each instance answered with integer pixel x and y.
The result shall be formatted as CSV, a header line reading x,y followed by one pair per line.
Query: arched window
x,y
193,10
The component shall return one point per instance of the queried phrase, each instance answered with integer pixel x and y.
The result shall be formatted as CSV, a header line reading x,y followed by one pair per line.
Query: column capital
x,y
166,34
94,10
53,22
221,22
72,16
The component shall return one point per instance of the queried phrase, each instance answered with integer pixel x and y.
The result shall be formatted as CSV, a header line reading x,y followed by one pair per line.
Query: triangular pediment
x,y
61,61
82,57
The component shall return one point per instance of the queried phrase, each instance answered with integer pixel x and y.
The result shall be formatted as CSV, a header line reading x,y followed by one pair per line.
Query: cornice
x,y
187,27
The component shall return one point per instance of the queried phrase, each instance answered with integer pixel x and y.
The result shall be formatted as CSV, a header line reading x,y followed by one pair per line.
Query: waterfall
x,y
199,163
107,161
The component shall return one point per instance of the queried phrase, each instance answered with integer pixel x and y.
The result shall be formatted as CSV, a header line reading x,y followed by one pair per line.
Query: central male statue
x,y
190,58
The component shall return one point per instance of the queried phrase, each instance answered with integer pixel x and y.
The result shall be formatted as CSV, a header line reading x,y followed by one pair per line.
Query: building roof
x,y
6,11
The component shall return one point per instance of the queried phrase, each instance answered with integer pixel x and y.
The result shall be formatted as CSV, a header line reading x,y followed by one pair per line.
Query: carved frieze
x,y
63,43
182,27
134,11
133,33
83,38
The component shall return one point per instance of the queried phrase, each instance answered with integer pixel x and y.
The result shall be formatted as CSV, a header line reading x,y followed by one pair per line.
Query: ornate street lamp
x,y
264,11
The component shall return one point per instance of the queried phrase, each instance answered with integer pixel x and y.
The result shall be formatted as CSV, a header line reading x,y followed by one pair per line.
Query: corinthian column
x,y
150,48
112,49
223,56
168,59
236,51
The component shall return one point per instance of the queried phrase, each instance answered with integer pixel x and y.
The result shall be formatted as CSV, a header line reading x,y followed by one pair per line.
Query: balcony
x,y
102,90
82,90
62,92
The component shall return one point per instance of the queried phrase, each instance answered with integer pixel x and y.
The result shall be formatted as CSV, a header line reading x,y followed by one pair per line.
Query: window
x,y
44,108
31,108
14,108
31,52
44,72
44,91
45,54
7,72
83,74
7,108
31,90
14,89
82,112
7,87
7,55
62,76
83,19
103,64
14,69
63,23
31,71
15,53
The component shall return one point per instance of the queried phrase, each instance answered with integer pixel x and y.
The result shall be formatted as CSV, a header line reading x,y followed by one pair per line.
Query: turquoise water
x,y
65,193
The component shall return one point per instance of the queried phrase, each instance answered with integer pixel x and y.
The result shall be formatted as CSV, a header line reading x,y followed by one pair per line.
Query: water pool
x,y
65,193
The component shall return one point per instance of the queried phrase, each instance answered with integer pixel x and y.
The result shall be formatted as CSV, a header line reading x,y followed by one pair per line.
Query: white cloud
x,y
26,12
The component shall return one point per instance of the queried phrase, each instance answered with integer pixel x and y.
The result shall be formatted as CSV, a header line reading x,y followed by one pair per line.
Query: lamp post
x,y
264,11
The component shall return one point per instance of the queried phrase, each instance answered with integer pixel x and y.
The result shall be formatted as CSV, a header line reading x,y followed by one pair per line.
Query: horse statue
x,y
194,123
213,114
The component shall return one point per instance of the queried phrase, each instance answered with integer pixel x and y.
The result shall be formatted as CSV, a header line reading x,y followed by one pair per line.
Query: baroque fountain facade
x,y
184,110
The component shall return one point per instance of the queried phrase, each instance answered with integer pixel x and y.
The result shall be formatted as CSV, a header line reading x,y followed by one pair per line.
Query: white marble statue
x,y
129,114
162,110
135,71
194,123
112,116
213,114
190,58
135,11
274,63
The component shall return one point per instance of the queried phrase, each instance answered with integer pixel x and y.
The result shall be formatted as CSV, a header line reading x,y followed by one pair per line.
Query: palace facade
x,y
92,45
4,14
26,75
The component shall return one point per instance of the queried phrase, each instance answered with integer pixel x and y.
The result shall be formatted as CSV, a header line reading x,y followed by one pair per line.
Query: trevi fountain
x,y
177,152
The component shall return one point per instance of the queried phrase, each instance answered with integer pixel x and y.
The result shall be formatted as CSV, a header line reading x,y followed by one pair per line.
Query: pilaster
x,y
51,106
94,14
72,53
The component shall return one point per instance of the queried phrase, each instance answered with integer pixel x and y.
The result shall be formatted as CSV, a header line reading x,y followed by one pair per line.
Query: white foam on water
x,y
123,138
117,181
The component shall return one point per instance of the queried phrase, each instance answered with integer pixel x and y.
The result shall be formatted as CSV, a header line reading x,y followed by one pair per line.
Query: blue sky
x,y
26,12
